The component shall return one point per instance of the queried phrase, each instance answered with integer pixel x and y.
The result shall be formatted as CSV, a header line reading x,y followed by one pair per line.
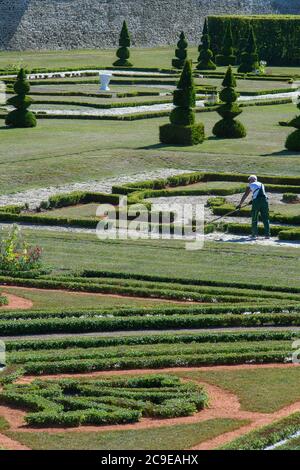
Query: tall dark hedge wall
x,y
278,37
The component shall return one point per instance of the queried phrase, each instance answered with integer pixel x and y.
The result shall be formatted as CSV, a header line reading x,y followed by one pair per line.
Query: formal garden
x,y
139,343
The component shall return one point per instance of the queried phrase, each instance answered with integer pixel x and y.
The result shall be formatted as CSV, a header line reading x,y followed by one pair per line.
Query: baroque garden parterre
x,y
141,344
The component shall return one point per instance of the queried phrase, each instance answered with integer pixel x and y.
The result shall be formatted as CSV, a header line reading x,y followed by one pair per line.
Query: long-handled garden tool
x,y
228,214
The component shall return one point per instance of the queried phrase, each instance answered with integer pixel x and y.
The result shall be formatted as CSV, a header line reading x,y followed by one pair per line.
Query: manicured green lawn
x,y
217,261
286,209
208,186
62,151
82,210
263,390
95,58
57,299
247,85
165,438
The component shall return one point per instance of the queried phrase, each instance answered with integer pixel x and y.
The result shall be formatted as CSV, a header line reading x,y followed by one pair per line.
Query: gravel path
x,y
148,108
129,73
35,196
212,237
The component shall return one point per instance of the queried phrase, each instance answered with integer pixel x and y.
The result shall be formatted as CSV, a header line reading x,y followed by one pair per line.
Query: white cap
x,y
252,177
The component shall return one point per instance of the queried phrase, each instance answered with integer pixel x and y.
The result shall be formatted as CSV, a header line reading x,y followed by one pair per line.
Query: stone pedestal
x,y
105,79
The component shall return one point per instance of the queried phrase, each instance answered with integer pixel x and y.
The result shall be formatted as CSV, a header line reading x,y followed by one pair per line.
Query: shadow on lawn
x,y
281,153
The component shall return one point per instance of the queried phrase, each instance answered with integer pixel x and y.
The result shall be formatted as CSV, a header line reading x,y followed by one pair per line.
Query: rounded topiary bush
x,y
21,116
228,128
293,141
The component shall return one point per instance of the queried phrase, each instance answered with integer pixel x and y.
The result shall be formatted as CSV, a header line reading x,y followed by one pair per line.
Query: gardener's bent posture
x,y
260,205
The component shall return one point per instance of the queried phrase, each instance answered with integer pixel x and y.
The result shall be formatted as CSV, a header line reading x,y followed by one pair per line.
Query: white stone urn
x,y
105,78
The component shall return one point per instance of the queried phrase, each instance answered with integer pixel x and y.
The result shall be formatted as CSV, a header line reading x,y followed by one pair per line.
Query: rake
x,y
228,214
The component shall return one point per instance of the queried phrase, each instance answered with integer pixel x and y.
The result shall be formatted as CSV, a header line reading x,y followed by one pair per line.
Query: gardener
x,y
260,205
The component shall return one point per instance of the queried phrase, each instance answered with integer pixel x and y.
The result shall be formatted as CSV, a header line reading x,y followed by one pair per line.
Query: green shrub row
x,y
245,212
289,235
188,309
90,273
106,342
94,324
128,94
196,177
267,436
173,286
155,362
125,104
122,290
82,197
113,355
81,418
276,230
267,92
277,35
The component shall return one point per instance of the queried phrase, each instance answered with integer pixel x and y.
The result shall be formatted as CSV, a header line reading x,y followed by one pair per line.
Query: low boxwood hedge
x,y
144,322
267,436
110,341
110,401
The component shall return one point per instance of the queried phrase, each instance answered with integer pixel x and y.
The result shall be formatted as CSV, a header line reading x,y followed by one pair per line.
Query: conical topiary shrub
x,y
123,52
205,59
180,52
228,128
183,130
293,140
249,58
21,117
242,45
227,57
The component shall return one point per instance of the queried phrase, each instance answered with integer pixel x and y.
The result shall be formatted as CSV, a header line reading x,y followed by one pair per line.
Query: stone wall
x,y
68,24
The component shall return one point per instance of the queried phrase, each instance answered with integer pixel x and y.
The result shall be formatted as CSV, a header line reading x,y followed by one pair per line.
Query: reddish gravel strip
x,y
16,303
223,404
99,294
30,378
10,444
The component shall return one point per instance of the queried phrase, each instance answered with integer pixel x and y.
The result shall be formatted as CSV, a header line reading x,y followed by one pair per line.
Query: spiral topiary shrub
x,y
20,116
180,52
183,130
249,58
205,59
227,57
228,128
123,52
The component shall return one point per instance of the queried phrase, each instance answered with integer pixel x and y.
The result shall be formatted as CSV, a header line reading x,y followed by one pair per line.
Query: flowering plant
x,y
16,254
